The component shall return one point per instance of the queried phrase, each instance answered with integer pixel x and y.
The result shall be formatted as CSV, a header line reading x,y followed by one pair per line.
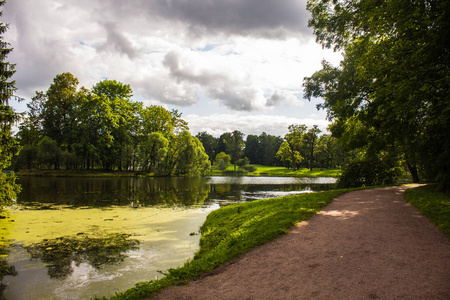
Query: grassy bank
x,y
282,171
233,230
433,204
260,171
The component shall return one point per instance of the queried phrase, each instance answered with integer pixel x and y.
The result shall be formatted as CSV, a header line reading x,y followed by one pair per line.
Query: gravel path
x,y
367,244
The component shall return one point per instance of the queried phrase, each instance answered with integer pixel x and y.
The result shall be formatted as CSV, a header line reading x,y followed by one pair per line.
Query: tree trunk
x,y
414,173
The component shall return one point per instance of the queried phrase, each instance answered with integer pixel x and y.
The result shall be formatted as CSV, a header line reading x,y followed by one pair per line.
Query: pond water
x,y
76,238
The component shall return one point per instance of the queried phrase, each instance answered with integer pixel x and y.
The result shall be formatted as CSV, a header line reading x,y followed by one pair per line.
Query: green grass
x,y
433,204
282,171
235,229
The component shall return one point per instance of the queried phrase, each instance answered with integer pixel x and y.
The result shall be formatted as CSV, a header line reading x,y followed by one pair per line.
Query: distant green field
x,y
282,171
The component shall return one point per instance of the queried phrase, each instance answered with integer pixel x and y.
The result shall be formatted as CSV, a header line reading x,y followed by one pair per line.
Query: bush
x,y
249,168
369,171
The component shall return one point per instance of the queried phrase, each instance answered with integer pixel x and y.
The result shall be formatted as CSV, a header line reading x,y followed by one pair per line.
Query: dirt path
x,y
368,244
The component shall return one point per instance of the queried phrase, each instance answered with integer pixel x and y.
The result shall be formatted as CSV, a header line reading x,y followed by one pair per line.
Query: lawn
x,y
432,204
282,171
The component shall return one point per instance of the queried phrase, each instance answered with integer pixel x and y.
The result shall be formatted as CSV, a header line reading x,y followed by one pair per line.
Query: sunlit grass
x,y
433,204
235,229
282,171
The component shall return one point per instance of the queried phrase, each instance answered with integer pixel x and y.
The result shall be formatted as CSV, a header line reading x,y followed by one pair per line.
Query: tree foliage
x,y
289,151
222,158
235,145
8,144
390,92
103,128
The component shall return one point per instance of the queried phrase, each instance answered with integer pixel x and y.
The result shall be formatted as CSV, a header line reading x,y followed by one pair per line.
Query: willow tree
x,y
8,144
393,81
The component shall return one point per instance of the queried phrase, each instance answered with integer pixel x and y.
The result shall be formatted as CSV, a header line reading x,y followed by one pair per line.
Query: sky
x,y
225,65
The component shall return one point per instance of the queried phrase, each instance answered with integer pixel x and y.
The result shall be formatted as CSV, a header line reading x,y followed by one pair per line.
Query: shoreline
x,y
266,172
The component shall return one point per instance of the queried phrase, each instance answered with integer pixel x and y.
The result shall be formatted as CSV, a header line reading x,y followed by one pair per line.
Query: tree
x,y
48,152
329,152
393,81
222,160
154,150
269,145
58,114
290,149
253,150
192,159
8,144
288,156
157,119
121,116
235,145
209,143
310,140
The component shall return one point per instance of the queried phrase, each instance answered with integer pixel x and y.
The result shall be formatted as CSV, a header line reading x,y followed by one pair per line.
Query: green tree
x,y
235,145
59,105
8,144
253,150
330,153
393,81
209,143
269,145
310,140
222,159
157,119
121,114
289,157
222,165
154,150
290,149
192,159
49,153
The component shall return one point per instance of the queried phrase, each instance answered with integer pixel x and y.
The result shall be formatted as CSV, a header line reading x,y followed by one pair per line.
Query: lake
x,y
76,238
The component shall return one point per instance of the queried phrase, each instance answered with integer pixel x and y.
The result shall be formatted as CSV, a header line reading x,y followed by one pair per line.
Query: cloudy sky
x,y
225,64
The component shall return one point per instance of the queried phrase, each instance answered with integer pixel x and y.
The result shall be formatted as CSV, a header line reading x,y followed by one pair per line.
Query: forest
x,y
102,128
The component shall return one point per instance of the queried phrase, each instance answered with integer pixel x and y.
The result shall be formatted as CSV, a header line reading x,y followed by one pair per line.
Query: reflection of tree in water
x,y
5,269
103,192
97,251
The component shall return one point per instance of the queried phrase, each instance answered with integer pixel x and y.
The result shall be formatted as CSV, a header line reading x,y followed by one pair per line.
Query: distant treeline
x,y
299,148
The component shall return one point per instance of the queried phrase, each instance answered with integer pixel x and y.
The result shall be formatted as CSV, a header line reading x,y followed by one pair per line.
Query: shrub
x,y
369,171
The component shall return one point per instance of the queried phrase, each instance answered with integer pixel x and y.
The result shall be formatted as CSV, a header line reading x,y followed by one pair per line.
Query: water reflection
x,y
101,192
5,268
168,192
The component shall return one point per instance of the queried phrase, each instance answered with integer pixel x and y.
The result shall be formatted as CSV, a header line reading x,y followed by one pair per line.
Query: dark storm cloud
x,y
273,19
260,18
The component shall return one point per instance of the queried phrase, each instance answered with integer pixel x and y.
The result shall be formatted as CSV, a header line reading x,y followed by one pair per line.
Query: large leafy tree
x,y
289,151
310,140
58,115
8,144
209,143
390,92
235,145
121,118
